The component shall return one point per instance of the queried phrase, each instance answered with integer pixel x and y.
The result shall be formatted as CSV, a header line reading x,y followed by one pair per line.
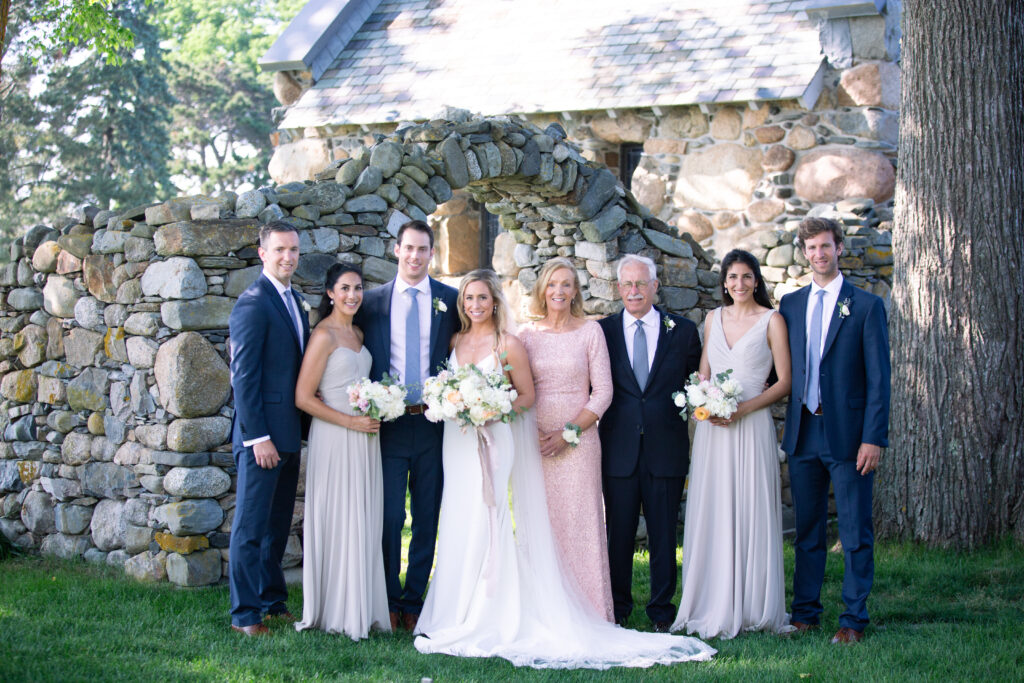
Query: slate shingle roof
x,y
413,57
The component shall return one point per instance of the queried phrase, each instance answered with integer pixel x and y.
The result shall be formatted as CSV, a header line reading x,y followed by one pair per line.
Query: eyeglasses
x,y
639,284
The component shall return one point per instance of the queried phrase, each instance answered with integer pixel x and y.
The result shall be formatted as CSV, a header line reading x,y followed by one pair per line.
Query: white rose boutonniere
x,y
439,306
571,434
844,307
305,305
668,322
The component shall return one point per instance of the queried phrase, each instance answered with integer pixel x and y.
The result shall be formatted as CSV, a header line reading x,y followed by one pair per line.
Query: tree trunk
x,y
955,473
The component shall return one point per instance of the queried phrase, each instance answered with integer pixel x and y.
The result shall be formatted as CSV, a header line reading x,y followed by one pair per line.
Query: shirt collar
x,y
650,319
831,288
278,285
423,286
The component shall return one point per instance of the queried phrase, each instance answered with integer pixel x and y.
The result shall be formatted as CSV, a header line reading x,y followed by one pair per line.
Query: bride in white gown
x,y
499,589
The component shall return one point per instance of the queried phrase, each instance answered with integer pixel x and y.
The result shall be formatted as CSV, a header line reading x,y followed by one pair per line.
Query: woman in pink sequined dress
x,y
569,361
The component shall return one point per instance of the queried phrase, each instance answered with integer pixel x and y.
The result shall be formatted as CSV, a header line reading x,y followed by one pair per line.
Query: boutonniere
x,y
668,322
844,307
439,306
305,305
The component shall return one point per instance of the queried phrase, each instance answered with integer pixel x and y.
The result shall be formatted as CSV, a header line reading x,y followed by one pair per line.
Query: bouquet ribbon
x,y
485,445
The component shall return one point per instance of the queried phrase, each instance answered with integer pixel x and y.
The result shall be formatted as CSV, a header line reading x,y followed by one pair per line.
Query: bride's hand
x,y
551,443
361,423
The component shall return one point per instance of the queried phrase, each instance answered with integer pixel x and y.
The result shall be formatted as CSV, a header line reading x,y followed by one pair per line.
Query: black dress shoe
x,y
621,621
662,626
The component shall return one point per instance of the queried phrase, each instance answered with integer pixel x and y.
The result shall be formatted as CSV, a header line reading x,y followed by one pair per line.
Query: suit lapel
x,y
660,350
622,354
845,292
435,322
278,304
384,329
798,332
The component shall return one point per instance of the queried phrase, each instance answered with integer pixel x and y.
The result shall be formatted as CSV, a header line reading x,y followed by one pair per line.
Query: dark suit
x,y
410,449
645,454
265,361
854,390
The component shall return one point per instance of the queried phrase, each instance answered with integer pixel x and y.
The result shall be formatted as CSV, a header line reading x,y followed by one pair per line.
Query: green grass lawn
x,y
936,616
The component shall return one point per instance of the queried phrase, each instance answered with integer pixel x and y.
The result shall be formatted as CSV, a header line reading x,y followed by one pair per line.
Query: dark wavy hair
x,y
747,259
331,279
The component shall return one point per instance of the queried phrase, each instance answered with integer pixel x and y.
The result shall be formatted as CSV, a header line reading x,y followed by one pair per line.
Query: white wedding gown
x,y
498,589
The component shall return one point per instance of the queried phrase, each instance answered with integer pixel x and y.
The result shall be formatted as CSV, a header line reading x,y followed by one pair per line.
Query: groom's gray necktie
x,y
293,313
812,397
640,365
412,348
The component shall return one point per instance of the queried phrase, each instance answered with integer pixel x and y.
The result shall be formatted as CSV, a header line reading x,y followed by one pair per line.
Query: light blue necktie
x,y
812,395
293,313
412,349
640,365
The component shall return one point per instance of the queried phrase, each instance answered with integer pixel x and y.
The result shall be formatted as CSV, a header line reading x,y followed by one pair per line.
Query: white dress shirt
x,y
828,305
284,291
399,310
652,328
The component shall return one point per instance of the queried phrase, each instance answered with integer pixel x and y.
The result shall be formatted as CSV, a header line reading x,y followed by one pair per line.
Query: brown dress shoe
x,y
409,621
251,630
394,621
280,618
847,635
802,627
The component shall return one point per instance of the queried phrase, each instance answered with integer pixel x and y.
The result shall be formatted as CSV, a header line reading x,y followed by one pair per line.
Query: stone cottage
x,y
730,121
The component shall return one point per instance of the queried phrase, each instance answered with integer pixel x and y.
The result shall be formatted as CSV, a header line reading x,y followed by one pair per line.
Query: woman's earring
x,y
331,300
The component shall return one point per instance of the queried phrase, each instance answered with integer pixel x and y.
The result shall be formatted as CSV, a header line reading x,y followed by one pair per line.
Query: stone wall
x,y
116,405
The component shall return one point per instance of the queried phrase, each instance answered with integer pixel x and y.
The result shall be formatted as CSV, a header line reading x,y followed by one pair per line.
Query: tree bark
x,y
955,473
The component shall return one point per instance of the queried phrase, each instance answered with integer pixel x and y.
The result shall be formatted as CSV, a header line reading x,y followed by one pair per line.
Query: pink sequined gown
x,y
571,372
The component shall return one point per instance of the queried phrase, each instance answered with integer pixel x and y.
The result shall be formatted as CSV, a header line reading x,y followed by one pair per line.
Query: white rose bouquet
x,y
384,400
468,396
715,397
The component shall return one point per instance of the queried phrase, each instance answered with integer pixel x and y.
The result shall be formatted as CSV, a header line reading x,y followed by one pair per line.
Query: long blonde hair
x,y
502,316
539,305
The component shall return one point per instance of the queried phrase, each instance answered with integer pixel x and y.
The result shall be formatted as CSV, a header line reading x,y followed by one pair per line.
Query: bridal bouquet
x,y
468,396
715,397
382,400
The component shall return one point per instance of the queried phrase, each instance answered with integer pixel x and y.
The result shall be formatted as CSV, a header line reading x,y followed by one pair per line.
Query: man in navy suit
x,y
407,325
645,446
837,423
269,330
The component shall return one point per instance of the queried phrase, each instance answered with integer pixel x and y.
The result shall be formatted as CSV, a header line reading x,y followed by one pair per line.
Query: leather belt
x,y
816,412
417,409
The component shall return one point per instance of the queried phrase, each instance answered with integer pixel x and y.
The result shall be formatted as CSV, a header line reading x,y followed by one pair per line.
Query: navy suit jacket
x,y
374,319
265,361
854,372
665,446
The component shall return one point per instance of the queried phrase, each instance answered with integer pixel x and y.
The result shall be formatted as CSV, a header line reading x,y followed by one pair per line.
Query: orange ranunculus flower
x,y
701,414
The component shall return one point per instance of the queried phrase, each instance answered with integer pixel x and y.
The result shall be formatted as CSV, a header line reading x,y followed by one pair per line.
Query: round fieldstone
x,y
200,568
146,566
143,324
720,177
249,204
176,278
199,434
20,386
205,313
108,525
89,313
137,538
107,479
152,436
44,259
25,299
193,379
829,174
60,296
76,448
72,519
141,352
65,547
196,482
88,391
191,517
37,513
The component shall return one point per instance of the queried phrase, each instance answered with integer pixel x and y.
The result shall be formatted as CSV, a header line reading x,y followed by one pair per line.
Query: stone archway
x,y
549,199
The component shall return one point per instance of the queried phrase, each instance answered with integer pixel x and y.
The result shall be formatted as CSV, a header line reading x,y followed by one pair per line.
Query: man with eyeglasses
x,y
645,446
